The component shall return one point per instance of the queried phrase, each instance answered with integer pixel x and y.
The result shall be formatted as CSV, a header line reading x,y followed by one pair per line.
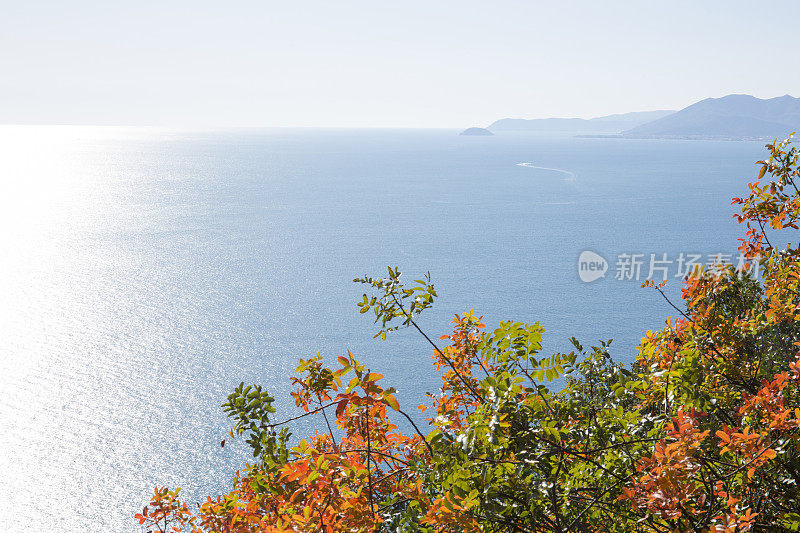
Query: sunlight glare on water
x,y
85,325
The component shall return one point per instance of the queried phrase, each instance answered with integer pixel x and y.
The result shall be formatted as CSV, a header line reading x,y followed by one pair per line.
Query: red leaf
x,y
340,407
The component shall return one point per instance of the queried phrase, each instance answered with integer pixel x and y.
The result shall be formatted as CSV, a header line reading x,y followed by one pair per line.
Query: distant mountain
x,y
735,116
476,131
606,124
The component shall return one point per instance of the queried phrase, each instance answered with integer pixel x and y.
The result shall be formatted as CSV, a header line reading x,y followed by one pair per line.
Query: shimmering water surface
x,y
145,273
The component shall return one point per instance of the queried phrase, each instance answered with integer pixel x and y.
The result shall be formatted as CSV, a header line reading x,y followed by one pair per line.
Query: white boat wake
x,y
570,176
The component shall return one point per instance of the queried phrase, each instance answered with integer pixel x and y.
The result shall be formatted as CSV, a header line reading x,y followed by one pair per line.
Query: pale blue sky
x,y
373,63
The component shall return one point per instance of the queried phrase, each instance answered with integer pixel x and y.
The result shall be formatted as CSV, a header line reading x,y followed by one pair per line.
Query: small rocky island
x,y
476,131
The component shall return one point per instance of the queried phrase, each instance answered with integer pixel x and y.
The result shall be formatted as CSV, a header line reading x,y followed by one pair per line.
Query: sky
x,y
242,63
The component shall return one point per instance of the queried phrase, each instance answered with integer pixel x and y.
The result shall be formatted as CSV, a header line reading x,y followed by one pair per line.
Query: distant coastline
x,y
735,117
672,137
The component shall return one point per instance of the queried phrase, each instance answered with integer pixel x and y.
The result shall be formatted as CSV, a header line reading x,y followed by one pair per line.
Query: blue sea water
x,y
145,273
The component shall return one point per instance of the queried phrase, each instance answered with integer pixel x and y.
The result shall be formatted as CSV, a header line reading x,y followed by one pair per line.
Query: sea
x,y
147,272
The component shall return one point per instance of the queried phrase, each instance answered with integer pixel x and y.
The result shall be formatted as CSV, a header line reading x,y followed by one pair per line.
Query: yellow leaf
x,y
391,401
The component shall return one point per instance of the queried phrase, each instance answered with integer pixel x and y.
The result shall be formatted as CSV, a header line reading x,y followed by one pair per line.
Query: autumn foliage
x,y
701,433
